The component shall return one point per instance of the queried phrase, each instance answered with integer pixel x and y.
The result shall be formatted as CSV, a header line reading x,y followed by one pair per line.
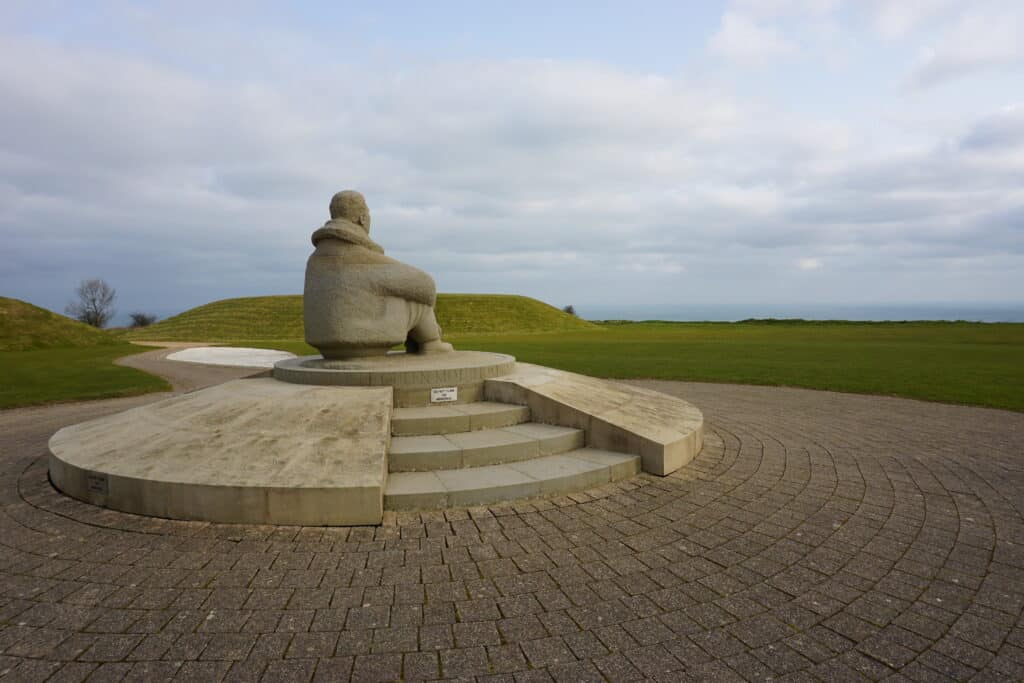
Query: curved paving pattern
x,y
817,537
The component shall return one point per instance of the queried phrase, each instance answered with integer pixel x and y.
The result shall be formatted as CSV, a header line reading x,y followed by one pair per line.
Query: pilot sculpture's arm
x,y
390,277
409,283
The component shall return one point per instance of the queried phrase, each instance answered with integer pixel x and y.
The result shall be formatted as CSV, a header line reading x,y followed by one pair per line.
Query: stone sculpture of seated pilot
x,y
359,302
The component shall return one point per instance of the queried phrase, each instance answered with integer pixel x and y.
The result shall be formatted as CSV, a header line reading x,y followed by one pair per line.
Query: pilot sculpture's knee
x,y
359,302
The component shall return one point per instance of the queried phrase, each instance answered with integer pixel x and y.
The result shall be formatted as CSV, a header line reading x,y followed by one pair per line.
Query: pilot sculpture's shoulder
x,y
345,231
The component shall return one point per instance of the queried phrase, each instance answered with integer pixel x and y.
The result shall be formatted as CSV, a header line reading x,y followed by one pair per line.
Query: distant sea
x,y
1013,313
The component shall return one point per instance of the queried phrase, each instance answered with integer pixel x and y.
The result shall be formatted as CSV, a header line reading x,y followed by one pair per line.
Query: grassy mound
x,y
460,314
255,317
280,318
24,327
45,357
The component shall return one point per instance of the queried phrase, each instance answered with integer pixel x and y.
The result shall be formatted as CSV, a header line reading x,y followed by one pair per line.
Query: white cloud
x,y
569,181
979,39
650,264
1001,130
782,7
741,39
897,19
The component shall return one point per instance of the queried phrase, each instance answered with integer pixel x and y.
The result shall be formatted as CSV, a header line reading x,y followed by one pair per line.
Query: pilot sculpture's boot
x,y
436,346
425,336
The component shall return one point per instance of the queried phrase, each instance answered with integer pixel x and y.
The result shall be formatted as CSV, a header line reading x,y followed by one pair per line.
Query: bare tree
x,y
95,303
570,309
140,319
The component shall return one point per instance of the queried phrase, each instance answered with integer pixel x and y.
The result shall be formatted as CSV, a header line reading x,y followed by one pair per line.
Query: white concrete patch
x,y
223,355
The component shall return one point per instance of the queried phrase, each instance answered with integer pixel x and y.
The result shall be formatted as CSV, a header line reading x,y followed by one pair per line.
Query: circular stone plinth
x,y
396,369
413,376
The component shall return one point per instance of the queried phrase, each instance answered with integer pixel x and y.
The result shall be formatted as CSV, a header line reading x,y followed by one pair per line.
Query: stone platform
x,y
412,376
256,451
338,442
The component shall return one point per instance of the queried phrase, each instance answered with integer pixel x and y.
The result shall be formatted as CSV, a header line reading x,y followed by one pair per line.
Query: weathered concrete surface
x,y
666,432
255,450
484,447
230,356
548,475
447,418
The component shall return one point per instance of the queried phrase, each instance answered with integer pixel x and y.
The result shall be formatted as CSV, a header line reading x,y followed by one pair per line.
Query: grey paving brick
x,y
816,536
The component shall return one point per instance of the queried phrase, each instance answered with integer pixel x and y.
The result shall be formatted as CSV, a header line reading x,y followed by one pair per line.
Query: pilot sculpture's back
x,y
359,302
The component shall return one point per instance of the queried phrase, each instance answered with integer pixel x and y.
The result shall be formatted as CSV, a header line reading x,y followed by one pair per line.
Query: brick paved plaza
x,y
818,536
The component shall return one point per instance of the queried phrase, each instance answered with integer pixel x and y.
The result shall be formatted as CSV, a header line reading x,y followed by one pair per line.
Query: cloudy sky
x,y
749,151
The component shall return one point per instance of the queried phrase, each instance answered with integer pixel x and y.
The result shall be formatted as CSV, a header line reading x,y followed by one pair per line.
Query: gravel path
x,y
818,536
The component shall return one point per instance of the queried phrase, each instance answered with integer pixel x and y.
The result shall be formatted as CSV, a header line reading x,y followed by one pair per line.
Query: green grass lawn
x,y
68,374
980,364
972,363
46,357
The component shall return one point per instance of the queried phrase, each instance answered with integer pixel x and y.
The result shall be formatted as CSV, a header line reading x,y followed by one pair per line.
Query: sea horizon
x,y
970,312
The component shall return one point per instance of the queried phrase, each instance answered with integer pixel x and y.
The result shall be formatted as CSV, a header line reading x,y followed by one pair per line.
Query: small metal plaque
x,y
444,394
97,483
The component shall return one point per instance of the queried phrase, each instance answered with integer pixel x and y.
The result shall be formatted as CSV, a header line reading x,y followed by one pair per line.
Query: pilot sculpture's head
x,y
349,205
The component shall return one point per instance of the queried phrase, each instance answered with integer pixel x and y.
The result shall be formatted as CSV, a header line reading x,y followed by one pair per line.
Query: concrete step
x,y
569,472
448,419
480,448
